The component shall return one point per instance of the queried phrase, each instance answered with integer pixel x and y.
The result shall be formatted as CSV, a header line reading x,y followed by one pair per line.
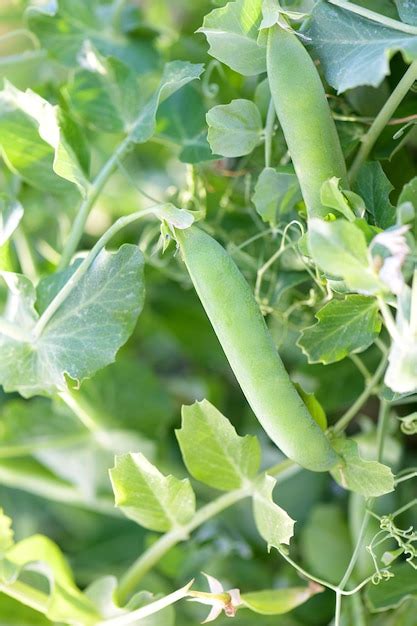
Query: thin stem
x,y
84,266
375,17
24,253
149,609
369,389
307,575
269,132
385,114
338,609
101,436
361,366
388,319
152,555
26,595
382,428
87,204
356,551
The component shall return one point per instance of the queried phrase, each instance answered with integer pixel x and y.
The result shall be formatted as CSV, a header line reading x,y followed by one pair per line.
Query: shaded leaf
x,y
234,129
276,193
375,188
273,523
151,499
37,140
391,593
353,50
407,10
212,450
339,249
232,33
345,326
86,331
369,478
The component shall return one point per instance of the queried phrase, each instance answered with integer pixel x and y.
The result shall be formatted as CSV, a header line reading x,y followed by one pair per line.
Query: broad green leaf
x,y
37,140
345,326
409,193
369,478
391,593
334,198
234,129
374,187
278,601
276,193
86,331
176,74
353,50
104,92
63,26
6,533
407,10
273,523
325,542
66,603
11,212
212,450
182,119
339,249
232,33
151,499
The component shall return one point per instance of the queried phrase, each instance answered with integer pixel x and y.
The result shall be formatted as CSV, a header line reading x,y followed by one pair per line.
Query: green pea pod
x,y
247,343
304,114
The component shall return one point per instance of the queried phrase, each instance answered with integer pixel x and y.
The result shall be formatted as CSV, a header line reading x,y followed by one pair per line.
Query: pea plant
x,y
253,163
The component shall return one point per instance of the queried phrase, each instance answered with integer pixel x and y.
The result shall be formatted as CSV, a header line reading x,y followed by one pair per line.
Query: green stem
x,y
83,268
338,609
375,17
383,419
26,595
269,132
100,435
370,387
87,204
153,554
384,116
356,551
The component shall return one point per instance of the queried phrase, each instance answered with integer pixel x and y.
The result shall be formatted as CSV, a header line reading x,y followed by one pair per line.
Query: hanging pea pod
x,y
247,343
304,114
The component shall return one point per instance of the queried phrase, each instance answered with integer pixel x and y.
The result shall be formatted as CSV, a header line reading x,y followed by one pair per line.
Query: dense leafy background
x,y
53,470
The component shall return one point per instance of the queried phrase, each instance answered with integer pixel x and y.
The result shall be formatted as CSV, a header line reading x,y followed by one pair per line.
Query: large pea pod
x,y
304,114
240,327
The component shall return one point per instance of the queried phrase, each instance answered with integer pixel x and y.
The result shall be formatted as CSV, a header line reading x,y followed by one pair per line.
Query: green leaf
x,y
232,33
176,74
104,93
345,326
325,542
375,188
66,603
234,129
151,499
63,26
407,10
314,407
273,523
278,601
212,450
353,50
339,249
369,478
11,212
391,593
276,193
334,198
86,331
37,140
182,119
409,193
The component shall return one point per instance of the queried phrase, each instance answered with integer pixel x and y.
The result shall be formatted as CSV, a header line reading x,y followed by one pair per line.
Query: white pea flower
x,y
395,242
219,599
